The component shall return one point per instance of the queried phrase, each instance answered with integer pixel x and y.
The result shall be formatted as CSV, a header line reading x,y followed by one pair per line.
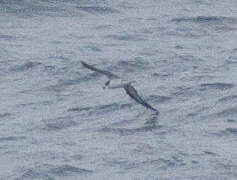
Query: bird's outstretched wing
x,y
106,73
132,92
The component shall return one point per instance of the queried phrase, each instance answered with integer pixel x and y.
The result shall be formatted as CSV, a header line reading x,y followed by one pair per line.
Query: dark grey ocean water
x,y
56,121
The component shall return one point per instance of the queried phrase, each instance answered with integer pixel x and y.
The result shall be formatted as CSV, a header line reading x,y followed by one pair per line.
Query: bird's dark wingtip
x,y
156,112
83,63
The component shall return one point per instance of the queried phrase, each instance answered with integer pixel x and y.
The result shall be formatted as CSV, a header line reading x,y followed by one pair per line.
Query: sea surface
x,y
58,123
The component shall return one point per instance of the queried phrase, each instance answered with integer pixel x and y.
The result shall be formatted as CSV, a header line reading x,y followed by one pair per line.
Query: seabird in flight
x,y
113,84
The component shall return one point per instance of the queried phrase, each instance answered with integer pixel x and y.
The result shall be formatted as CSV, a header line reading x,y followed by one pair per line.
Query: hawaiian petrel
x,y
112,83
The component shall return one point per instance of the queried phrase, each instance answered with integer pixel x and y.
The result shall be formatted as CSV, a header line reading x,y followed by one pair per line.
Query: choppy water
x,y
56,121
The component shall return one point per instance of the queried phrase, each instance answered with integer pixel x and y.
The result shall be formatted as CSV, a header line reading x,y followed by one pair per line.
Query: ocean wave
x,y
204,19
98,9
216,85
25,67
67,170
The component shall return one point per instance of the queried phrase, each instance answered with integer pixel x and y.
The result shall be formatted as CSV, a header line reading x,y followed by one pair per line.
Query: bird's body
x,y
115,82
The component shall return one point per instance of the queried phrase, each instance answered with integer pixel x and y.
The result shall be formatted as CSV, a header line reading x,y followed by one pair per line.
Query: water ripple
x,y
130,131
227,112
101,108
12,138
228,98
25,8
67,170
7,37
131,65
227,132
25,67
162,163
5,115
79,109
49,172
99,10
158,99
216,85
128,37
204,19
61,85
59,123
33,174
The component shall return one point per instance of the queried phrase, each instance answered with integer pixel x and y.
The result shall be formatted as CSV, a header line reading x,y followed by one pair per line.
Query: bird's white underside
x,y
118,83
